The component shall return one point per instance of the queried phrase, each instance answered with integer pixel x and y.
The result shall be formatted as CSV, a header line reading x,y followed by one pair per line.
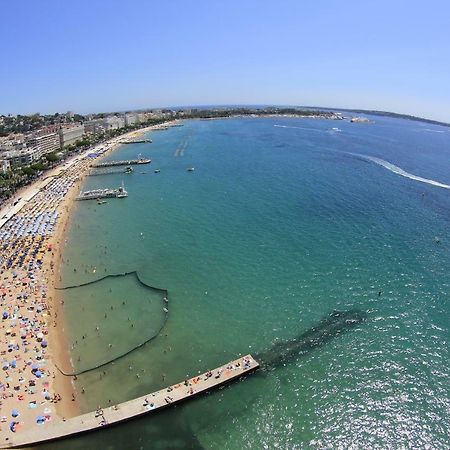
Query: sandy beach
x,y
33,340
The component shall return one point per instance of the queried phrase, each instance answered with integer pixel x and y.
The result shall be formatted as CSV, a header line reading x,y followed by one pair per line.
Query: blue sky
x,y
90,56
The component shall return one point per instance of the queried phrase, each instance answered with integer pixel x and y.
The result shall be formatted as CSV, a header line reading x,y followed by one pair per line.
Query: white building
x,y
24,157
130,119
95,126
70,135
114,122
12,142
46,142
5,165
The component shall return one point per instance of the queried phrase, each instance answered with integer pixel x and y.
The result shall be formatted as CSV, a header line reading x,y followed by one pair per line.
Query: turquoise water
x,y
277,227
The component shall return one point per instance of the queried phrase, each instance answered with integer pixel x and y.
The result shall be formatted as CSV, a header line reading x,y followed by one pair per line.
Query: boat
x,y
101,202
190,169
165,310
129,169
143,160
122,193
157,170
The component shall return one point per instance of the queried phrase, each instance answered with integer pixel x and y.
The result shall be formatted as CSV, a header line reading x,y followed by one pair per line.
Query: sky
x,y
93,56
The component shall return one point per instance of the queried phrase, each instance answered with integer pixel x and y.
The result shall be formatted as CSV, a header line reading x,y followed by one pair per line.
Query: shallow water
x,y
277,227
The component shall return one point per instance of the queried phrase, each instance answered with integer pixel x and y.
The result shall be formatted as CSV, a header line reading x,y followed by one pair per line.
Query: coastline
x,y
26,284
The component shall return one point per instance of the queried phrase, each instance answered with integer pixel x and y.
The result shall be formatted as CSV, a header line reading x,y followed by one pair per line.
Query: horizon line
x,y
247,105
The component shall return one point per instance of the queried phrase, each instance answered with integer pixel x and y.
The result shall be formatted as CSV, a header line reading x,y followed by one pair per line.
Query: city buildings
x,y
43,141
54,133
69,135
5,165
114,122
130,119
23,157
95,126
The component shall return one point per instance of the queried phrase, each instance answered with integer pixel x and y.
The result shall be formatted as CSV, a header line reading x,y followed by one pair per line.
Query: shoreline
x,y
33,309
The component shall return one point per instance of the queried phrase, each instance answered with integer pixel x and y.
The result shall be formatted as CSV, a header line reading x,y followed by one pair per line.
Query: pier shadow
x,y
166,430
180,427
332,326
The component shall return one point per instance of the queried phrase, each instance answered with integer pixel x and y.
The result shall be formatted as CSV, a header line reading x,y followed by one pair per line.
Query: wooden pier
x,y
146,404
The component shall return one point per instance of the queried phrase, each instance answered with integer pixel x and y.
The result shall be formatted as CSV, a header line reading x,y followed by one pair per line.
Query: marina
x,y
151,403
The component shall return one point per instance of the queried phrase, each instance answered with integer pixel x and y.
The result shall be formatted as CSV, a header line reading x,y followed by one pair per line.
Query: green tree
x,y
51,157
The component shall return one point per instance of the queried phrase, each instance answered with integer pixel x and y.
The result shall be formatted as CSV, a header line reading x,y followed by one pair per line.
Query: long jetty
x,y
137,141
128,162
137,407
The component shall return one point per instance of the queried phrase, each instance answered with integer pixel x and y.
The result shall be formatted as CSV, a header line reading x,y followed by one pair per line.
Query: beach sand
x,y
33,339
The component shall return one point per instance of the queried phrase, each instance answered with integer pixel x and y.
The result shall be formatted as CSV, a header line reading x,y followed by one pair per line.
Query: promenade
x,y
146,404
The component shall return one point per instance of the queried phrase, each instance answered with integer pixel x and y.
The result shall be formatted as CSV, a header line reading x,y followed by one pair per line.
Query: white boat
x,y
122,192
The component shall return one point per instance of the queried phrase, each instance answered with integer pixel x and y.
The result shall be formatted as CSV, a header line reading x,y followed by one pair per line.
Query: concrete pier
x,y
137,141
128,162
146,404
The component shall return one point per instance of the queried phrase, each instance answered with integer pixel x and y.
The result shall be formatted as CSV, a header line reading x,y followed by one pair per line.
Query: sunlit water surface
x,y
277,227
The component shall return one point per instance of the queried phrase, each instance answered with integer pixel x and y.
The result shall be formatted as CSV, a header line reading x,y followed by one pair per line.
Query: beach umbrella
x,y
47,395
5,315
15,413
12,426
5,365
38,373
44,343
40,420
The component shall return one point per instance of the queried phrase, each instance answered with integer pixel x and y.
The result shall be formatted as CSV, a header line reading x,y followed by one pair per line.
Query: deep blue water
x,y
279,225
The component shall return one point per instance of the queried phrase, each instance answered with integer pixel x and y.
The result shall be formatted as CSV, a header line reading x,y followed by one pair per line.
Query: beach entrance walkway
x,y
137,407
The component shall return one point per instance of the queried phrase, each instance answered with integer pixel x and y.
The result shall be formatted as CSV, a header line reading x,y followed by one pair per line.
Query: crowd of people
x,y
27,393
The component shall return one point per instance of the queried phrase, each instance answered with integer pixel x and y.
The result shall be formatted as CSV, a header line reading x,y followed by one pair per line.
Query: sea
x,y
283,222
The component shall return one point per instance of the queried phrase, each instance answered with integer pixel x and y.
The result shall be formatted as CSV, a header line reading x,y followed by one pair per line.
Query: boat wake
x,y
399,171
433,131
298,128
